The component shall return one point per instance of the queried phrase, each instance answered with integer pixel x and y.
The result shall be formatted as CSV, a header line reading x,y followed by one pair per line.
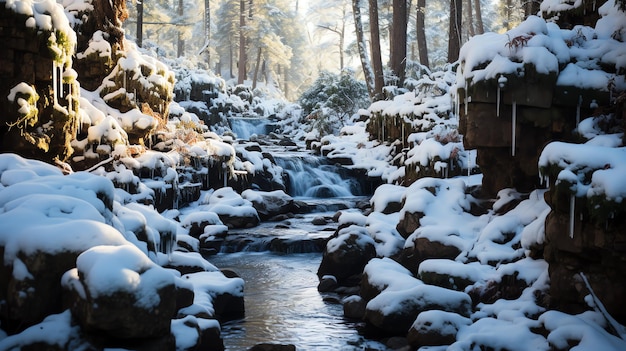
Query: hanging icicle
x,y
572,207
55,100
466,98
513,127
498,102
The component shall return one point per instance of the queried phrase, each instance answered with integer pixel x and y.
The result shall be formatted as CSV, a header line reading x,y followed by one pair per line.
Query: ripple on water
x,y
284,306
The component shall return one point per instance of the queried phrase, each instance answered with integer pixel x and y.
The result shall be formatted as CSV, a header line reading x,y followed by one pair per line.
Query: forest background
x,y
285,45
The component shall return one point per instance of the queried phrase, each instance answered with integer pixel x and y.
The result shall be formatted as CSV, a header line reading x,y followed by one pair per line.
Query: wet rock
x,y
354,307
346,255
273,347
327,283
319,220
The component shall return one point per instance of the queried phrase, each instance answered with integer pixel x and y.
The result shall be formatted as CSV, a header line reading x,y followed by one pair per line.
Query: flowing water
x,y
279,260
283,305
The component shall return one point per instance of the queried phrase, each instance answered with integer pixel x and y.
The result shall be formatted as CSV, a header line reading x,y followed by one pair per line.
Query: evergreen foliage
x,y
332,100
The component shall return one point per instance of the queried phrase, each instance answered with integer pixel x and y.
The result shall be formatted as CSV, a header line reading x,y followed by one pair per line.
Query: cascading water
x,y
245,127
311,177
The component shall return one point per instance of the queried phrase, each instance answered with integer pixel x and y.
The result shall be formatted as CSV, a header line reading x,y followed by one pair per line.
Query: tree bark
x,y
454,32
422,45
365,61
480,28
241,72
181,42
256,69
140,23
397,59
470,19
207,30
377,64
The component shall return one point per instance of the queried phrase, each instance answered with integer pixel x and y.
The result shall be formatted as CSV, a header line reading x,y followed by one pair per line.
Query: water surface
x,y
284,306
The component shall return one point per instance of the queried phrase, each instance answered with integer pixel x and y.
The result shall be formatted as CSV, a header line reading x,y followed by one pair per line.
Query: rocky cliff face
x,y
40,93
535,89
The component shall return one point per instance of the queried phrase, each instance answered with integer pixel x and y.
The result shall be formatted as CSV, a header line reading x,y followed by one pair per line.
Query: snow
x,y
605,167
547,48
110,269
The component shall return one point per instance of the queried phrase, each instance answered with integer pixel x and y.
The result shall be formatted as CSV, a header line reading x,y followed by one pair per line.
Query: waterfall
x,y
245,127
311,177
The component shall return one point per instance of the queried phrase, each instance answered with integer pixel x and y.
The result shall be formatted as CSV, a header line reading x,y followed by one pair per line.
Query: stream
x,y
282,303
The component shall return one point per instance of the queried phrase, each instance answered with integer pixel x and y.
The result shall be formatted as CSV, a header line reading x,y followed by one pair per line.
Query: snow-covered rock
x,y
346,255
396,310
137,293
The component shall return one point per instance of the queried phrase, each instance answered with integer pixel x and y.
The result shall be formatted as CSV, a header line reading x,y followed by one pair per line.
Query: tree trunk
x,y
422,45
377,64
470,19
454,31
257,68
397,59
241,72
139,23
360,39
207,31
181,42
480,28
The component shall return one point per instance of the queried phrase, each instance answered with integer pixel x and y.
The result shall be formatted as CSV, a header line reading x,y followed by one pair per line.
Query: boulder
x,y
452,274
346,255
269,204
233,210
435,328
118,291
215,296
394,311
382,274
196,334
354,307
423,248
37,256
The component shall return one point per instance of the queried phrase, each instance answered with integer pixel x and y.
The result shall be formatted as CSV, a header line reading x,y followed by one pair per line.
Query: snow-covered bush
x,y
332,100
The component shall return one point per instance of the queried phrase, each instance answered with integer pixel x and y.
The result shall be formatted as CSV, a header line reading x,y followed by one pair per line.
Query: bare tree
x,y
480,28
377,64
422,46
181,42
454,31
139,23
470,19
360,37
397,57
241,72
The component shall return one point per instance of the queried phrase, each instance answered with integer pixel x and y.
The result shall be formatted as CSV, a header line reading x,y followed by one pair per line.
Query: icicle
x,y
466,98
403,145
469,163
383,128
124,79
580,102
225,178
513,127
498,102
572,207
54,82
